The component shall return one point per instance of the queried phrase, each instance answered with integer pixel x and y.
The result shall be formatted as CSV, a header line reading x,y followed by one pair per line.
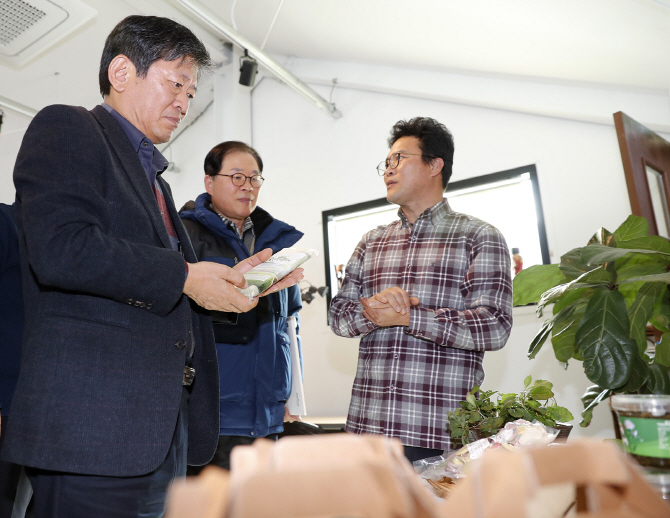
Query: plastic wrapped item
x,y
517,434
523,433
644,421
264,275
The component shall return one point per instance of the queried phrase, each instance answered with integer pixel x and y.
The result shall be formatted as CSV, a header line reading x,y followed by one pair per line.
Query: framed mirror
x,y
646,164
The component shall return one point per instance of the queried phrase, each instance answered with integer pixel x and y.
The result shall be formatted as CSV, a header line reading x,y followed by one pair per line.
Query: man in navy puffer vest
x,y
253,349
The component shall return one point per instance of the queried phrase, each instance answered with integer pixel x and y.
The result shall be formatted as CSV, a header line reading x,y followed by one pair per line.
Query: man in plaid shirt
x,y
427,294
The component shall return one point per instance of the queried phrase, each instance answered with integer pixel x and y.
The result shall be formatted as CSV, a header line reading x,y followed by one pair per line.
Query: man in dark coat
x,y
118,387
11,331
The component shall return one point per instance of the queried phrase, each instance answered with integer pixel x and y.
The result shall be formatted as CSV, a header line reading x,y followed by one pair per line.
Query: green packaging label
x,y
646,436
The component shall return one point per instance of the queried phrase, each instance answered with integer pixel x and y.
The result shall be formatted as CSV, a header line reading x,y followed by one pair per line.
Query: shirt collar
x,y
437,212
134,135
141,144
440,211
248,224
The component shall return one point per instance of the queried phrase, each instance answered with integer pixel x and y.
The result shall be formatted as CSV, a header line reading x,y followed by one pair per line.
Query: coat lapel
x,y
133,169
182,235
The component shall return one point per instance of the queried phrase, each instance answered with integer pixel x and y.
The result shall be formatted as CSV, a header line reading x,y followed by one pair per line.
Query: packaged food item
x,y
644,421
261,277
517,434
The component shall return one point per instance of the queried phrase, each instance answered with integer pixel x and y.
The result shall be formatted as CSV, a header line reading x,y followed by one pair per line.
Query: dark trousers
x,y
68,495
414,453
9,479
224,447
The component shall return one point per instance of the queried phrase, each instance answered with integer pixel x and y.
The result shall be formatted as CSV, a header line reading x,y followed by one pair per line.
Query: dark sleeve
x,y
221,319
77,236
294,300
7,232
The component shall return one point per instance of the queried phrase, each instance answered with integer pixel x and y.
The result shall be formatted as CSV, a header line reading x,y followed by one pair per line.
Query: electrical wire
x,y
187,127
232,14
332,89
272,24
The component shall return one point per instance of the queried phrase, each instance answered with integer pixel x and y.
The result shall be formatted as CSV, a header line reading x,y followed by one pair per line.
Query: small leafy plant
x,y
535,402
604,295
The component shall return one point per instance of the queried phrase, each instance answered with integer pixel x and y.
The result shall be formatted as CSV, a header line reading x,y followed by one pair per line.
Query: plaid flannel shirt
x,y
409,377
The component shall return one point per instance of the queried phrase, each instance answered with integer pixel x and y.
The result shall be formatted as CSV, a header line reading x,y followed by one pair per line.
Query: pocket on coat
x,y
237,363
94,311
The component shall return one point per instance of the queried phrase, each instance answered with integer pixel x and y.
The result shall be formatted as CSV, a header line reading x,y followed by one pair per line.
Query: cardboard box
x,y
606,484
337,475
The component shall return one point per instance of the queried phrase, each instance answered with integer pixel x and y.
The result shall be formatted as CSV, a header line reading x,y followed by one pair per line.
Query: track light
x,y
248,69
307,294
209,19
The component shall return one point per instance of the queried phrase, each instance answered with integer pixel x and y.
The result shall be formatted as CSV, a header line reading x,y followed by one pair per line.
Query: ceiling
x,y
618,43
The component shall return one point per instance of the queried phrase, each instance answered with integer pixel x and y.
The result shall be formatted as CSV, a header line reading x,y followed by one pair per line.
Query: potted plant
x,y
604,294
482,417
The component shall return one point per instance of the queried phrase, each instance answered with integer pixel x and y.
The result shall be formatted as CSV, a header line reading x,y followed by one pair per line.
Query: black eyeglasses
x,y
240,179
393,161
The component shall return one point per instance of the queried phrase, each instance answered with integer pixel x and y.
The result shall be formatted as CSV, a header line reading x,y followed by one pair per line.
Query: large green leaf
x,y
541,393
634,227
543,383
603,340
599,254
662,355
591,398
661,317
658,277
600,274
659,379
531,283
591,393
571,297
603,237
551,295
559,414
641,310
639,375
572,265
629,291
565,328
632,270
540,337
655,243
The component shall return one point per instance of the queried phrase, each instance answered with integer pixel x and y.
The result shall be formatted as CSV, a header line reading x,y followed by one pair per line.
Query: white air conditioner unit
x,y
29,27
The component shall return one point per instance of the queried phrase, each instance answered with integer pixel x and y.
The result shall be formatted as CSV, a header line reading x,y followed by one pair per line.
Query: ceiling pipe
x,y
16,107
224,29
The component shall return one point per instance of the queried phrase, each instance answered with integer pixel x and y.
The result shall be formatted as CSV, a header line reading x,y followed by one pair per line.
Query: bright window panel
x,y
510,207
508,200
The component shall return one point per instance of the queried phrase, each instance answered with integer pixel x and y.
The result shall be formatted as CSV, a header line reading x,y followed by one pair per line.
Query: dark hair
x,y
435,141
218,154
146,39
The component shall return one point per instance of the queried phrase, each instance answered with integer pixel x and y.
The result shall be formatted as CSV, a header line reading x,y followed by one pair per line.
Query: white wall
x,y
11,134
314,163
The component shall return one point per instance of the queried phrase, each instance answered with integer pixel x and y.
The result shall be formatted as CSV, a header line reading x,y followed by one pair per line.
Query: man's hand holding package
x,y
214,286
389,307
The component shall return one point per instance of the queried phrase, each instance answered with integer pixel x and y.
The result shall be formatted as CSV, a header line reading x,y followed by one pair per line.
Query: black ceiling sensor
x,y
248,69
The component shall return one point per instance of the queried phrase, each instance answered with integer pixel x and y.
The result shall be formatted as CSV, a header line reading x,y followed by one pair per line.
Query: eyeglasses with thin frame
x,y
240,179
393,161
